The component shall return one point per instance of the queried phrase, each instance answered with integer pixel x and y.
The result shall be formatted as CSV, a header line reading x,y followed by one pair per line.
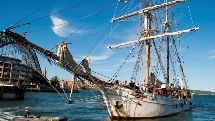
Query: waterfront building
x,y
13,72
14,77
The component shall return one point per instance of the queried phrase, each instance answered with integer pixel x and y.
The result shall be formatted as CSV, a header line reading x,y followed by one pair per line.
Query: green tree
x,y
54,81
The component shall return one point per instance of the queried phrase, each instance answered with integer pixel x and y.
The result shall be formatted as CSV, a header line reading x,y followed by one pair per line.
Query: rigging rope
x,y
115,10
56,75
115,75
76,30
99,28
12,26
61,11
136,66
100,74
180,62
96,44
50,83
191,18
95,13
121,66
66,22
159,59
94,93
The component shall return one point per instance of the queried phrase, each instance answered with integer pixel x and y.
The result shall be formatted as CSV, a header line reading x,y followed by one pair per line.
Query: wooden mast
x,y
167,26
148,18
146,32
72,88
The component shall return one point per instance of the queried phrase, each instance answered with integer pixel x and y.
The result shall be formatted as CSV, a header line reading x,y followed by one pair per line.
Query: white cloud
x,y
61,27
98,58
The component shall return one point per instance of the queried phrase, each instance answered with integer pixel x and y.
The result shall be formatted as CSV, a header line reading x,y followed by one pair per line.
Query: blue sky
x,y
79,20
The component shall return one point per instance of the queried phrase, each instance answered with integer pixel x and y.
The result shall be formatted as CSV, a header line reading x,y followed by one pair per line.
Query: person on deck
x,y
144,88
27,112
131,84
125,84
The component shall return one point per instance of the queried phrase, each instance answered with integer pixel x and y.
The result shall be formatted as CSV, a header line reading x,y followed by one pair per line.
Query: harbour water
x,y
87,108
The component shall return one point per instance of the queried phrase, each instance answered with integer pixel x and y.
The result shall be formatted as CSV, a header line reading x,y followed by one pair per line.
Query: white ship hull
x,y
121,103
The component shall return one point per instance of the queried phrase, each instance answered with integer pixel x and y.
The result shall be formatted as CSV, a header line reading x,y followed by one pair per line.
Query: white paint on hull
x,y
147,106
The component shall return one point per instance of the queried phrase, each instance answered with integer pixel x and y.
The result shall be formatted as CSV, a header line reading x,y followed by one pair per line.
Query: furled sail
x,y
66,59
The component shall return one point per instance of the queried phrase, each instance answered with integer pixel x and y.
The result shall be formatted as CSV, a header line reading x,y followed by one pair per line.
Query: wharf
x,y
17,93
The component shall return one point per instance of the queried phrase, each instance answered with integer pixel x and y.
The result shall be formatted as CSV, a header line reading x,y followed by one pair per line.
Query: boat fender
x,y
118,106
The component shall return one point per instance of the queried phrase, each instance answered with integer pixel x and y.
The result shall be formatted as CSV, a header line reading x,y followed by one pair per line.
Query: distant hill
x,y
202,92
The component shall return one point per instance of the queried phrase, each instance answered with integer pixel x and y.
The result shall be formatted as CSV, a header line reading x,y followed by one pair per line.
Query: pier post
x,y
19,94
1,93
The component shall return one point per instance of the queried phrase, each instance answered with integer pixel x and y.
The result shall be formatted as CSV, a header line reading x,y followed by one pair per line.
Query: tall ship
x,y
158,85
153,94
154,97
